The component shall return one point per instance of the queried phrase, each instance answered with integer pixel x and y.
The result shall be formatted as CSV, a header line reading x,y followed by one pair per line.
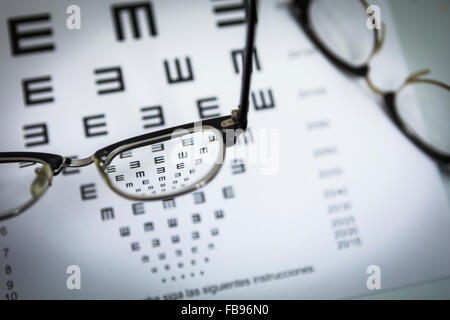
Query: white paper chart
x,y
338,188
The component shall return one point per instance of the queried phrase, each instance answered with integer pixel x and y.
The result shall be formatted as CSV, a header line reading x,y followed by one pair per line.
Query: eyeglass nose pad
x,y
42,181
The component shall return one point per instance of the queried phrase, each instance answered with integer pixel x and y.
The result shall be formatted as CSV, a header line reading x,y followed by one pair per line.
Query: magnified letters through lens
x,y
167,165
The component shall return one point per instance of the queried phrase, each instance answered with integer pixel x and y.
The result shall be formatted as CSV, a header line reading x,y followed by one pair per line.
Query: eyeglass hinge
x,y
235,115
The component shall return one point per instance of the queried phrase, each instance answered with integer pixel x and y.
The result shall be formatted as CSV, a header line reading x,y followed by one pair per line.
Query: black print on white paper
x,y
37,90
152,117
130,10
17,34
237,57
36,134
107,213
229,13
110,80
208,108
264,100
92,124
182,73
88,192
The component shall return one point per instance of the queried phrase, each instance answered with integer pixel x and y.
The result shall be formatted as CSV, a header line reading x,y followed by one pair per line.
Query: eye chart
x,y
337,187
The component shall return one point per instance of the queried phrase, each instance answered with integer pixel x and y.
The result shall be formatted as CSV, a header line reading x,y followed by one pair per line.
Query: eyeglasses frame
x,y
300,10
236,122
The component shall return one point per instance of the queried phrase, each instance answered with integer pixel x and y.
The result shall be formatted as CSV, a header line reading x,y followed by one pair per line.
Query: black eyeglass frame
x,y
300,10
236,122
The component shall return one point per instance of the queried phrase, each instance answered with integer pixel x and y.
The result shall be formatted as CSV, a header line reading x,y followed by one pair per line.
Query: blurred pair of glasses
x,y
153,166
347,33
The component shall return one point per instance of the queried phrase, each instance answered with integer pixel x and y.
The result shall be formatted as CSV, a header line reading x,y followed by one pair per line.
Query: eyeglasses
x,y
152,166
349,35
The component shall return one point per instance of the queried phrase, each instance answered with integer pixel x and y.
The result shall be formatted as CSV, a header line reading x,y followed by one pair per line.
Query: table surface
x,y
422,27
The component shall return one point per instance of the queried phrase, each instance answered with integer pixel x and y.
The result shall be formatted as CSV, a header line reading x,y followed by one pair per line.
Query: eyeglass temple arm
x,y
242,115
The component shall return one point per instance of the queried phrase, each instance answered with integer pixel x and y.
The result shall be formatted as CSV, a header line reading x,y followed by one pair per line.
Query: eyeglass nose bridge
x,y
73,163
76,163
